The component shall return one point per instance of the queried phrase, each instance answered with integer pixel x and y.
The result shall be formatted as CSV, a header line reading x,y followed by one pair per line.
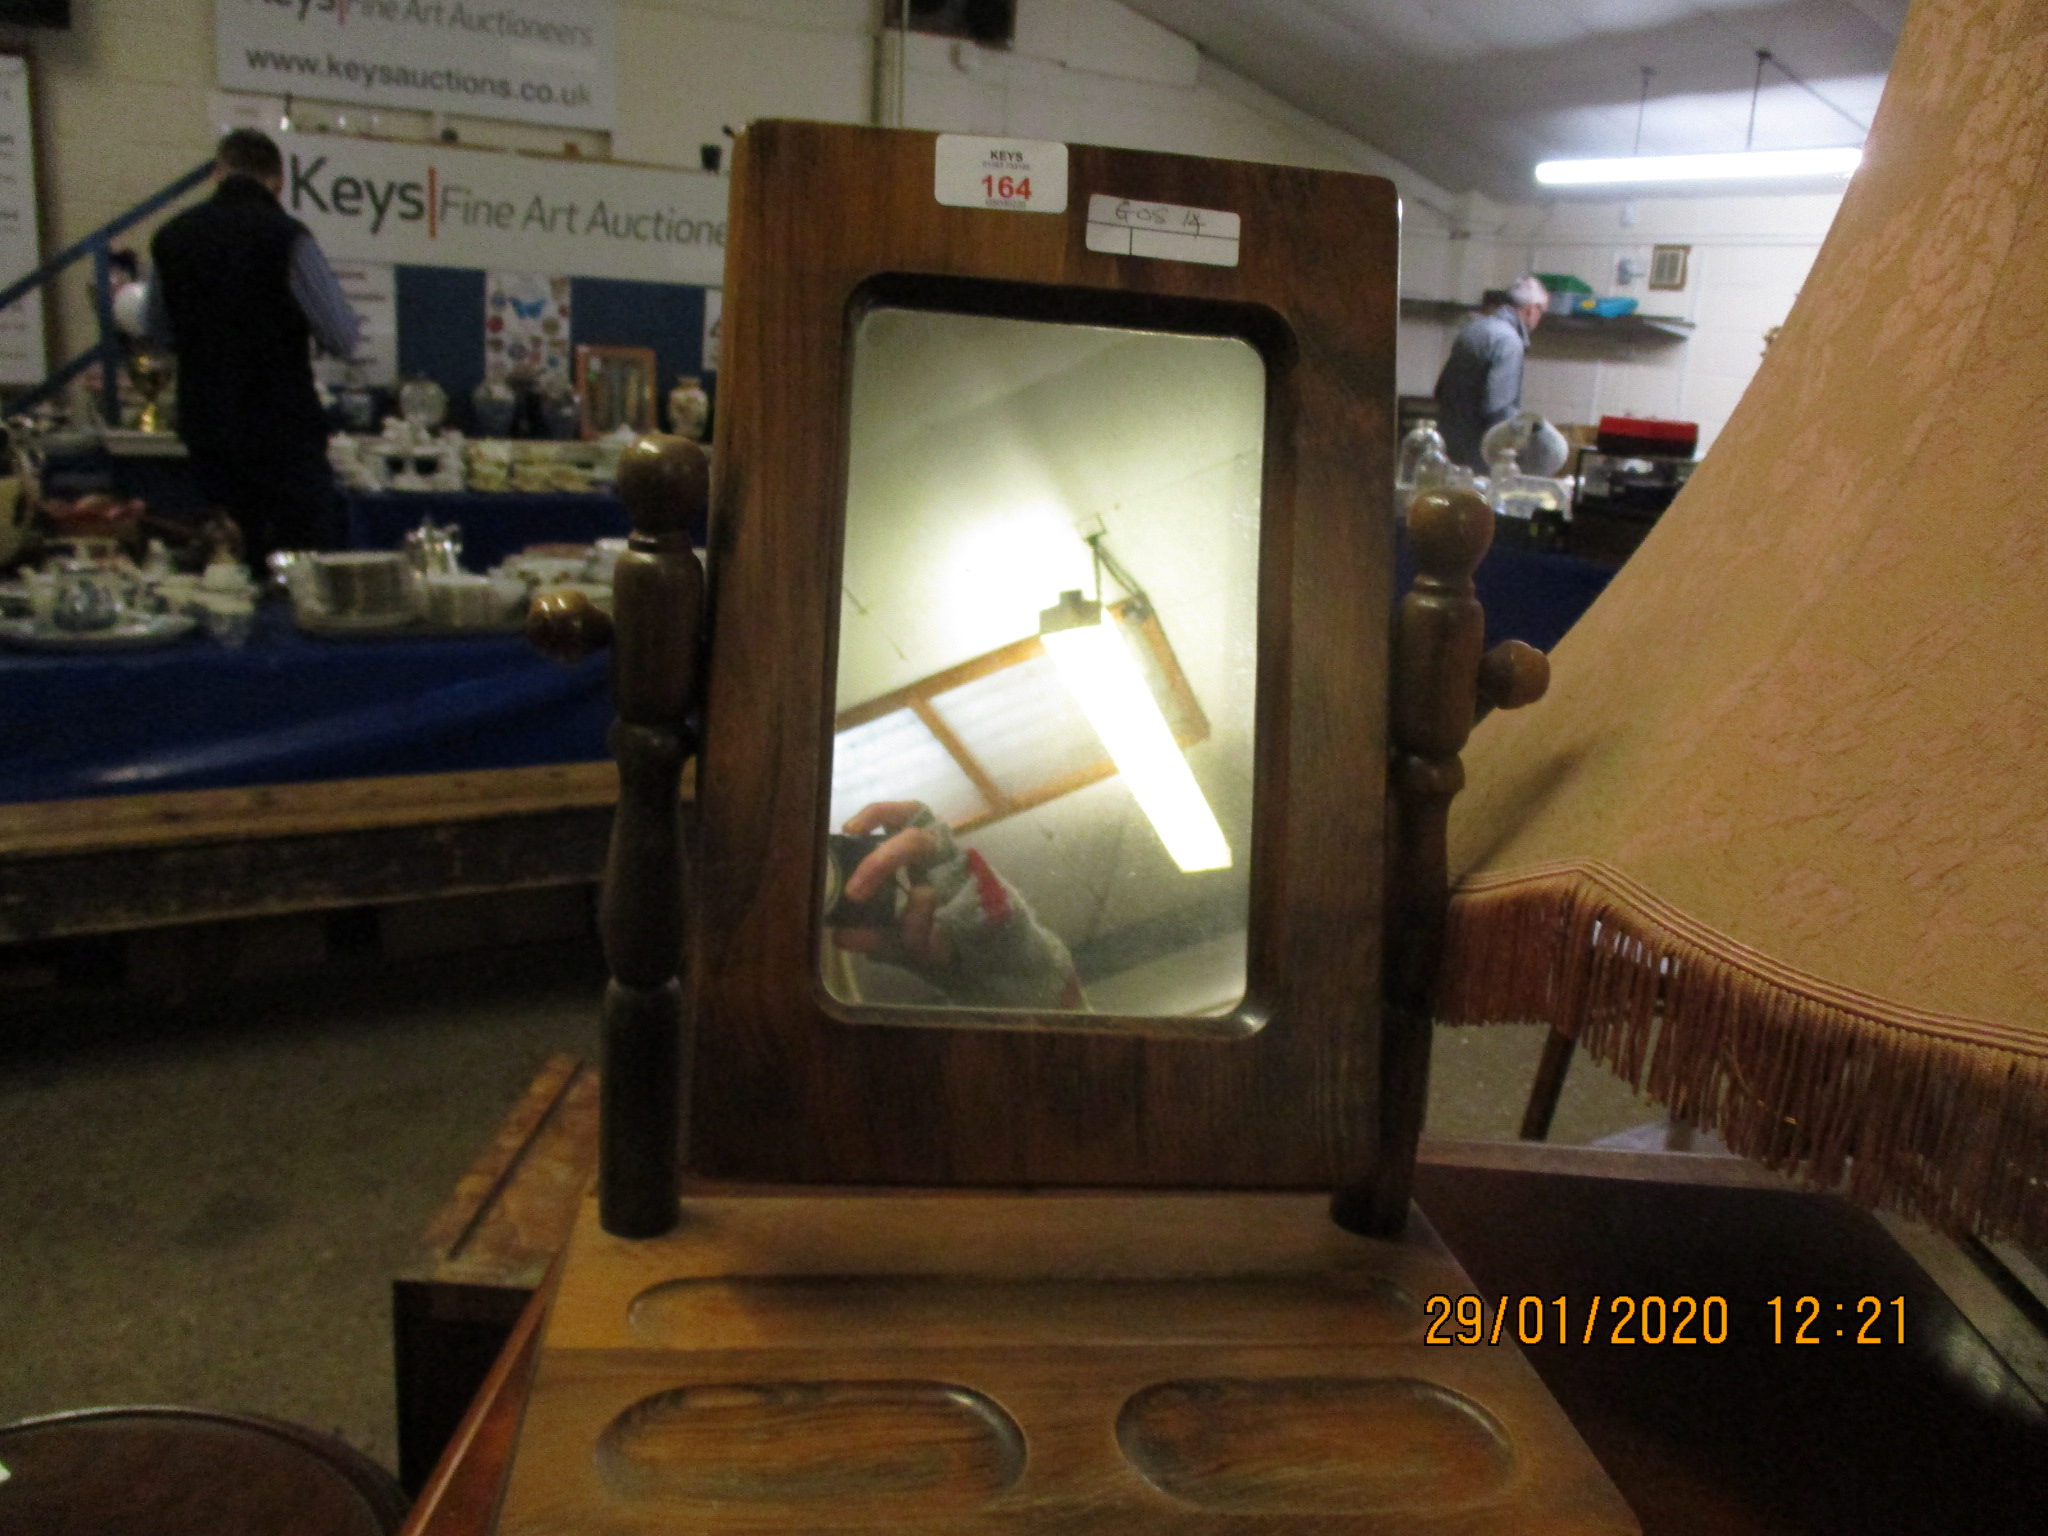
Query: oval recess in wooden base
x,y
1315,1445
871,1450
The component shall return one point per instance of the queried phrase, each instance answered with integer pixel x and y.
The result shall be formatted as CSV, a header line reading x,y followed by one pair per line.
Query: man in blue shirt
x,y
240,289
1481,383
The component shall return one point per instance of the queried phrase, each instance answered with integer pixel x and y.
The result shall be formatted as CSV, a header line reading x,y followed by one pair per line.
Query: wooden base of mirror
x,y
965,1362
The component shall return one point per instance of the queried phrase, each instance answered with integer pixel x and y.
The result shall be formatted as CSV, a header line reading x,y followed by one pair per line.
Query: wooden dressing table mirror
x,y
1064,893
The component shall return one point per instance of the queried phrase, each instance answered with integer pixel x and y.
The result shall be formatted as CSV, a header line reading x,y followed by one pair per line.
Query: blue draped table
x,y
494,524
286,708
1528,594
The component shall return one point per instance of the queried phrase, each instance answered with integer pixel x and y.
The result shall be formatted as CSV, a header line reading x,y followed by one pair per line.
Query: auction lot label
x,y
533,61
1020,175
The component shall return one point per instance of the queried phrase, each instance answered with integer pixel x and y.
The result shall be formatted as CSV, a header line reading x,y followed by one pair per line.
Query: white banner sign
x,y
535,61
435,205
22,356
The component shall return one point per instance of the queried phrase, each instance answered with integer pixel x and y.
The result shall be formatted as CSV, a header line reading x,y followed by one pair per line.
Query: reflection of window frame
x,y
1190,724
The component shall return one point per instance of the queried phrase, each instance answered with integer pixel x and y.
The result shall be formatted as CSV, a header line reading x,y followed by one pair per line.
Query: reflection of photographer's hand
x,y
914,937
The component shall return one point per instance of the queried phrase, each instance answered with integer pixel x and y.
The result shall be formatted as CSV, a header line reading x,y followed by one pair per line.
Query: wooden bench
x,y
142,861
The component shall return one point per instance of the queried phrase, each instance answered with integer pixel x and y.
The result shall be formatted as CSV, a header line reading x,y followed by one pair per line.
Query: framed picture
x,y
616,386
1667,266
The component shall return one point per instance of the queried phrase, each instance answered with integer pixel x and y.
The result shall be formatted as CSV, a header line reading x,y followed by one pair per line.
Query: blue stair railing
x,y
99,247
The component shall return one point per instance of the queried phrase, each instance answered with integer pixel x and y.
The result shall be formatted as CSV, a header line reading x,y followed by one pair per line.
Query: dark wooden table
x,y
1935,1436
1744,1437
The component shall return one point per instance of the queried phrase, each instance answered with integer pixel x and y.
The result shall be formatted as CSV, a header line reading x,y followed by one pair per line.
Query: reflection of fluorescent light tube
x,y
1097,666
1750,165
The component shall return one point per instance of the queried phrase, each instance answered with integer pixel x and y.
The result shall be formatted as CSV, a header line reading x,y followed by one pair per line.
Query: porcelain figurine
x,y
689,407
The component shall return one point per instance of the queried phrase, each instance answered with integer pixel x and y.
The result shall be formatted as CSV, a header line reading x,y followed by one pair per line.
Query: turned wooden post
x,y
1441,682
657,607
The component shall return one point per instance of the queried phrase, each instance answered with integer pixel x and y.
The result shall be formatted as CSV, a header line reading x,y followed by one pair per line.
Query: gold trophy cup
x,y
150,373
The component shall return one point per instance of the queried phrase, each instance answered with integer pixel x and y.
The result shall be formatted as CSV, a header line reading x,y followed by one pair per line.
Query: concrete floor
x,y
205,1201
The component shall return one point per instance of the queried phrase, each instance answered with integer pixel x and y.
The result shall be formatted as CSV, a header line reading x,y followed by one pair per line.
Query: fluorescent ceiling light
x,y
1097,666
1749,165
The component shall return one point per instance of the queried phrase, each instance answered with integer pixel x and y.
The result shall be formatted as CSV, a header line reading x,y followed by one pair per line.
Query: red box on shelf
x,y
1647,437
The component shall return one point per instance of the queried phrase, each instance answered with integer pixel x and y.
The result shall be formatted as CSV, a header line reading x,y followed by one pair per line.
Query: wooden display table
x,y
141,861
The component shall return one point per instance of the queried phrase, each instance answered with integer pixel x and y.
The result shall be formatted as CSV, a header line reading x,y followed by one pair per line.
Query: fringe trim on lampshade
x,y
1942,1119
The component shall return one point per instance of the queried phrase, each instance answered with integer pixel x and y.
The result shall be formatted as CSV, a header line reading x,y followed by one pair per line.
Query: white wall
x,y
1094,72
689,69
128,103
1750,255
125,103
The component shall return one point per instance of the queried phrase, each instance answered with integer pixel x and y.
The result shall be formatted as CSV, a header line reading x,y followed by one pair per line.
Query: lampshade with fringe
x,y
1776,846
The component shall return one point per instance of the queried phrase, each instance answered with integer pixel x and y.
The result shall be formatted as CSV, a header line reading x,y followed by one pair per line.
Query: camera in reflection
x,y
843,854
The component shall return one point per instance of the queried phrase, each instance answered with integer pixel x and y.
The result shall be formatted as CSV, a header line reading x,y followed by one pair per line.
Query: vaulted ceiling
x,y
1473,93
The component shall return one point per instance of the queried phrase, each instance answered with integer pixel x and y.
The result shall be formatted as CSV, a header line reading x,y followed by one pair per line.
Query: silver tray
x,y
136,634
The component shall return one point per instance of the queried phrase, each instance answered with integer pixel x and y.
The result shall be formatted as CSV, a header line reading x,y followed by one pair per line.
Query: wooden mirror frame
x,y
788,1087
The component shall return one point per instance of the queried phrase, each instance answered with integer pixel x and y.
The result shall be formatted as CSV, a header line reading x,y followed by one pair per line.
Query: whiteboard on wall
x,y
23,359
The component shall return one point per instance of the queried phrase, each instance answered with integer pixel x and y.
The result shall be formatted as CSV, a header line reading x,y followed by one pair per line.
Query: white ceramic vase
x,y
688,408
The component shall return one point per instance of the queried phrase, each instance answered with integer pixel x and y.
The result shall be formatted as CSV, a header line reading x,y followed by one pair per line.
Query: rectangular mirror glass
x,y
1041,794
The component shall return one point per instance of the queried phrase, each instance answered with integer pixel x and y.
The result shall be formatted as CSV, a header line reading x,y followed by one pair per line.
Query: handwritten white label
x,y
1022,175
1121,226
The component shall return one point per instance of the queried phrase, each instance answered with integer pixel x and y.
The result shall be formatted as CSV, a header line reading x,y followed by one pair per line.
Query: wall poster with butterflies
x,y
460,325
526,327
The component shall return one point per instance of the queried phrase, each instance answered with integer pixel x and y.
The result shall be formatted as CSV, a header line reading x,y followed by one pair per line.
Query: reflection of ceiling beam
x,y
924,697
999,804
974,668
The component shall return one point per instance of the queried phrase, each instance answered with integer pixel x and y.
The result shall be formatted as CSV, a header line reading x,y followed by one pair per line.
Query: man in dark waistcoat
x,y
239,288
